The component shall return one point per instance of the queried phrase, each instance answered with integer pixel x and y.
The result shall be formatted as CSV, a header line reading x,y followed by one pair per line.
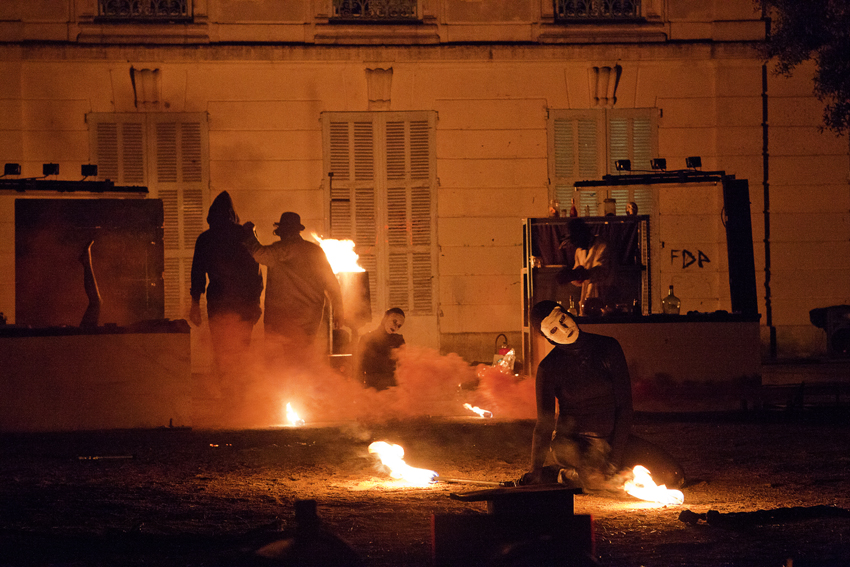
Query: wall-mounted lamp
x,y
50,169
12,169
623,165
658,163
693,162
88,170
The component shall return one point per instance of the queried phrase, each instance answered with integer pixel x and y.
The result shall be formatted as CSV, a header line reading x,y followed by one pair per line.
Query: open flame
x,y
391,457
340,253
643,487
479,411
292,417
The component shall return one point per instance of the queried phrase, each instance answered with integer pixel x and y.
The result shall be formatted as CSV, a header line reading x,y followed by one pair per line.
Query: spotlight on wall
x,y
693,162
623,165
50,169
658,163
12,169
88,170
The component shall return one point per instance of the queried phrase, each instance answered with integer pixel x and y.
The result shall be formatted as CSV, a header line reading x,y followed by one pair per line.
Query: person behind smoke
x,y
300,284
591,270
586,375
374,361
91,317
234,289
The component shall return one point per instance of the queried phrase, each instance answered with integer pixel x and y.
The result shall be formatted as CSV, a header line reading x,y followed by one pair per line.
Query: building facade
x,y
426,131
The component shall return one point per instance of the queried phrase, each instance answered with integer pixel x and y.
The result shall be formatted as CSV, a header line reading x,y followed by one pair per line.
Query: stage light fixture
x,y
88,170
623,165
693,162
658,163
12,169
50,169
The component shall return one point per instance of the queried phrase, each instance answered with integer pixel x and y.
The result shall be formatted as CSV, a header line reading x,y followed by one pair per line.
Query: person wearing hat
x,y
593,446
591,269
234,289
300,283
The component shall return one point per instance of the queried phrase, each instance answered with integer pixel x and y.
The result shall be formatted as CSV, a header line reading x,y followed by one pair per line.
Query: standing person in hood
x,y
301,283
234,288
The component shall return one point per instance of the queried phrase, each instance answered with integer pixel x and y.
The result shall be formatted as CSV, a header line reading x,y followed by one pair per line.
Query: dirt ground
x,y
780,483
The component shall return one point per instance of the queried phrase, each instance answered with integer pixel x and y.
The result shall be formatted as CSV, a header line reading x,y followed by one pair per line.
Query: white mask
x,y
559,327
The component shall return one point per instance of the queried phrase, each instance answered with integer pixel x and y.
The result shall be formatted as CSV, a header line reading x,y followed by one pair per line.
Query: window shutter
x,y
179,145
119,147
575,148
167,153
352,200
381,196
409,214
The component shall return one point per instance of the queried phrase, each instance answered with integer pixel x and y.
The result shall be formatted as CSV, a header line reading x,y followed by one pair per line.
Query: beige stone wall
x,y
264,101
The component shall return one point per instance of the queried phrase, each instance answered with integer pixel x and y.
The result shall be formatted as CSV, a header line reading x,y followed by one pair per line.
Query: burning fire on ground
x,y
479,411
292,417
644,488
391,456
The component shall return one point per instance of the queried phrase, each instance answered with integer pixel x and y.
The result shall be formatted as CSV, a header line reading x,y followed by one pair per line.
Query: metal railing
x,y
145,10
375,10
582,10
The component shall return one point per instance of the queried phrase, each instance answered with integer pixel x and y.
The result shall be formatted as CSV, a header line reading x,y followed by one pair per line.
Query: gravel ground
x,y
766,489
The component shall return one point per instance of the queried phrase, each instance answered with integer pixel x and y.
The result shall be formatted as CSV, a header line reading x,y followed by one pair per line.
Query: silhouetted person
x,y
300,284
586,375
591,270
375,362
92,315
234,289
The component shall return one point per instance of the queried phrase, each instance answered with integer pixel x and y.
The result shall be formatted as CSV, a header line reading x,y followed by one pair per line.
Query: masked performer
x,y
586,374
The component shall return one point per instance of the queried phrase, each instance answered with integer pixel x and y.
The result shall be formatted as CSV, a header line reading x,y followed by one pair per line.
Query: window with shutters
x,y
585,144
169,154
382,173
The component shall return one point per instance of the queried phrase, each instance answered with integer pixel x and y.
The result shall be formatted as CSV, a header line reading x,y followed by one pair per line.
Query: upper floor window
x,y
145,10
373,11
585,10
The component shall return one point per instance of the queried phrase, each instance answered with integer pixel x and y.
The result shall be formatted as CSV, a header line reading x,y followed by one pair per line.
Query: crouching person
x,y
592,446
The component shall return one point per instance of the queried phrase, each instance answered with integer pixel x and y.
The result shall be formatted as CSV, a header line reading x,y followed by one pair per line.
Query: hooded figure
x,y
587,376
234,288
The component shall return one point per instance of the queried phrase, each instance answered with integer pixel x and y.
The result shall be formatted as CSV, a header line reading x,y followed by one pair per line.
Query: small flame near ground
x,y
478,410
643,487
391,456
292,417
340,253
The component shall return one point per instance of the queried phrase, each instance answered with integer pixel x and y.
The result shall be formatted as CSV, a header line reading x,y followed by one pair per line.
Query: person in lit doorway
x,y
591,269
375,361
301,284
586,375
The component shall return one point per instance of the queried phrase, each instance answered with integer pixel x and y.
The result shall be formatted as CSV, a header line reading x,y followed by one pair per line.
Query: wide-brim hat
x,y
289,222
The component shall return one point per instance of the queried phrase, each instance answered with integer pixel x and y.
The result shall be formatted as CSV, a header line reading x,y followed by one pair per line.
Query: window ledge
x,y
143,32
383,33
586,32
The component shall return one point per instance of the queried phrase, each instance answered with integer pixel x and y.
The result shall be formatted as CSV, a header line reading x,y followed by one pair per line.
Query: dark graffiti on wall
x,y
688,259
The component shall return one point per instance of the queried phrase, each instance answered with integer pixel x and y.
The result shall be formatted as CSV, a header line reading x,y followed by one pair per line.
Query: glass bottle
x,y
572,308
670,305
573,209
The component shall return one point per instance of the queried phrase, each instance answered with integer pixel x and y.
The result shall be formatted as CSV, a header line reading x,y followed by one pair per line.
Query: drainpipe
x,y
768,308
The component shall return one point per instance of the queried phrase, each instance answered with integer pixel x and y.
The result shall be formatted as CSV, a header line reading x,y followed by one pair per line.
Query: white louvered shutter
x,y
118,141
179,148
381,196
575,145
585,144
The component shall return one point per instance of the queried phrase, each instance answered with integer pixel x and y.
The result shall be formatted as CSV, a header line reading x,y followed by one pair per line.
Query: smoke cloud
x,y
428,385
